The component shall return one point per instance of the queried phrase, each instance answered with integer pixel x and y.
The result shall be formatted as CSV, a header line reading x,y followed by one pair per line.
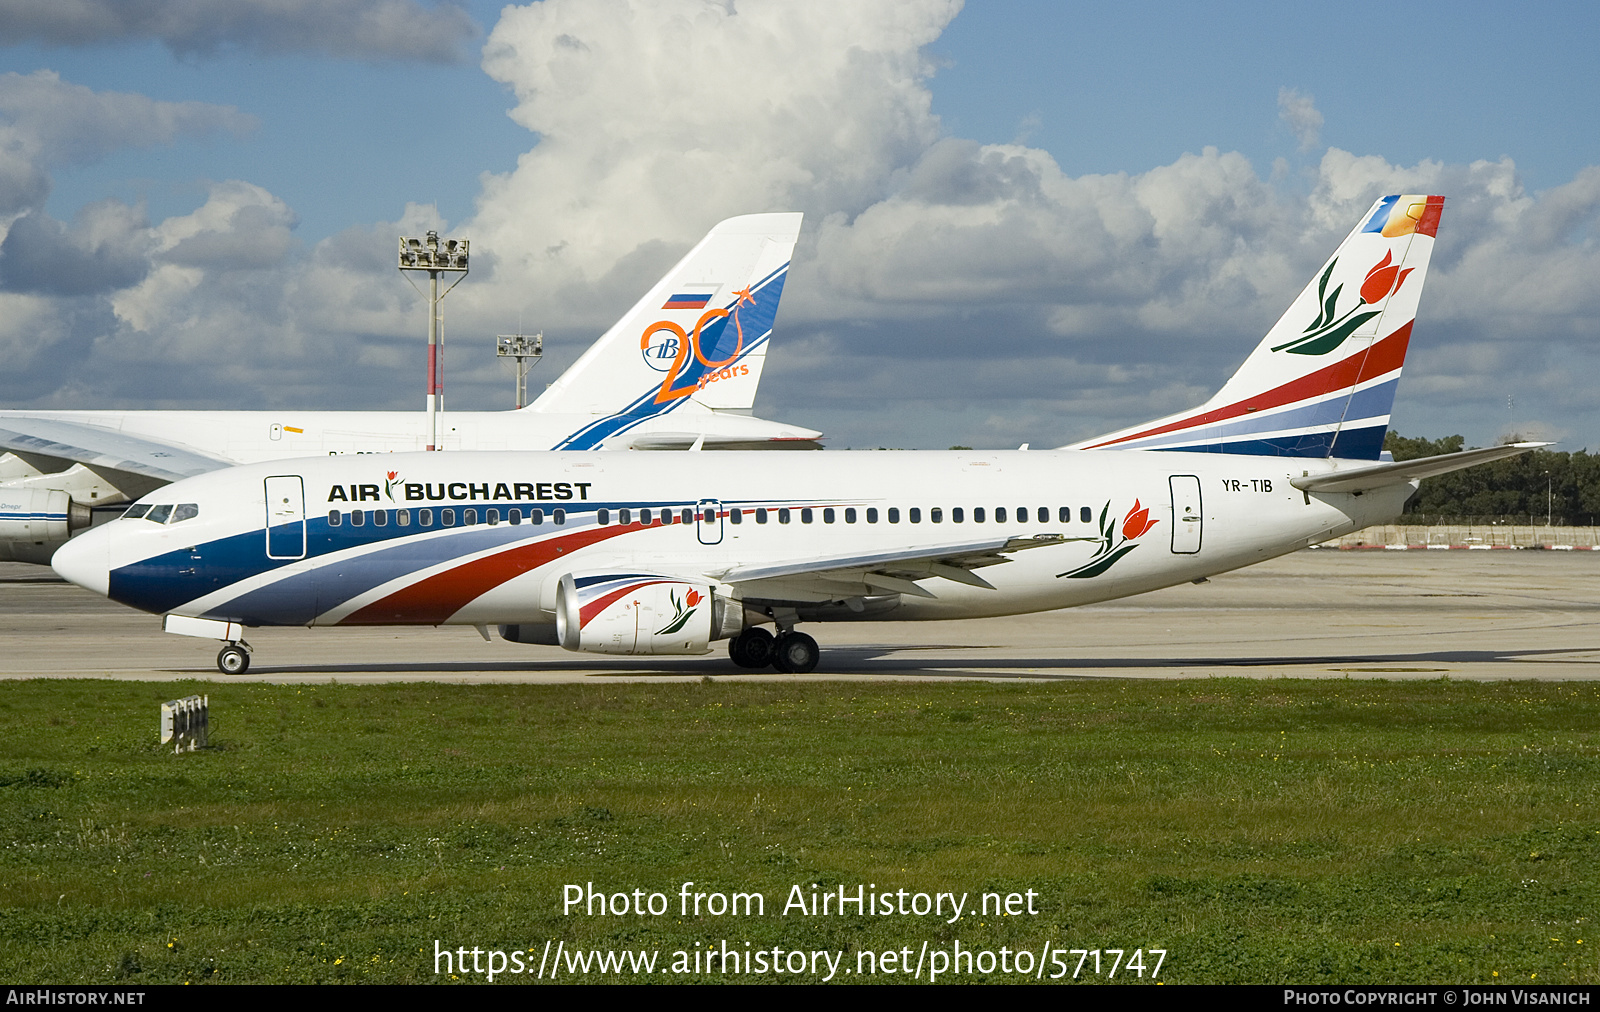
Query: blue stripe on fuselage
x,y
163,583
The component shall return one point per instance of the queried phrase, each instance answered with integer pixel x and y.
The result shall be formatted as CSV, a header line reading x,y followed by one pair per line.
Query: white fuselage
x,y
248,437
831,512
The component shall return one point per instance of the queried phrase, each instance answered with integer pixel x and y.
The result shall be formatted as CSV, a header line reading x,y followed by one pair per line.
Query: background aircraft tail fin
x,y
700,335
1322,382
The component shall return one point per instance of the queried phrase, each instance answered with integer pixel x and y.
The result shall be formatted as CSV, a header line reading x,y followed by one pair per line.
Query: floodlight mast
x,y
436,256
520,347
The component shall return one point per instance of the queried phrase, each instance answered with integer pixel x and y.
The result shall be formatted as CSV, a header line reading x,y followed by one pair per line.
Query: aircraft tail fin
x,y
1322,382
698,336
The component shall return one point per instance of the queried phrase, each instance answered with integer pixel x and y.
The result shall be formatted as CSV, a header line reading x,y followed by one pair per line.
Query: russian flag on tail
x,y
689,300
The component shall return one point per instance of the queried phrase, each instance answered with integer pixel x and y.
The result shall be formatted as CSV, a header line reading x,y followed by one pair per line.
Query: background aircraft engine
x,y
36,514
642,613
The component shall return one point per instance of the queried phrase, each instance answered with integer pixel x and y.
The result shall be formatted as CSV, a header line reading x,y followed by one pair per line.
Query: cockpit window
x,y
165,513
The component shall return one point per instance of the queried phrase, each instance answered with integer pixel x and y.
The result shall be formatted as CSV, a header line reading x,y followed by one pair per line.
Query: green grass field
x,y
1259,831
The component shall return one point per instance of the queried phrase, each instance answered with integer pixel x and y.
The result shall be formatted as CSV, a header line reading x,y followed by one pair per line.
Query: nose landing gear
x,y
234,659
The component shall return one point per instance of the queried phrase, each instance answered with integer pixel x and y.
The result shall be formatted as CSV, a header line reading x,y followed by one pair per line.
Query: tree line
x,y
1563,487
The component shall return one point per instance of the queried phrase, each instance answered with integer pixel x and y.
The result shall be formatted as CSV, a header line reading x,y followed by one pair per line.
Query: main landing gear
x,y
234,659
791,652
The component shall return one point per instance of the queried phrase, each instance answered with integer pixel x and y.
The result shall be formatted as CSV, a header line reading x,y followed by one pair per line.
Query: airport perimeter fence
x,y
1472,532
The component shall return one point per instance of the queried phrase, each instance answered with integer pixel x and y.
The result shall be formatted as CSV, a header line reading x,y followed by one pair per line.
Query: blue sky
x,y
1126,87
336,136
1103,88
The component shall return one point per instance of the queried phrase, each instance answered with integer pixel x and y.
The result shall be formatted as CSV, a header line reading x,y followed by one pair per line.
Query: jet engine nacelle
x,y
643,613
39,514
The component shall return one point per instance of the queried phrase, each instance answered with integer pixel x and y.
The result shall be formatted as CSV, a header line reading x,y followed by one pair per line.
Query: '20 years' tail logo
x,y
667,347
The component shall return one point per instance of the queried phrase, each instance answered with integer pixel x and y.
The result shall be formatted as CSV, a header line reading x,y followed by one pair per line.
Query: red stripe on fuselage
x,y
433,600
1382,357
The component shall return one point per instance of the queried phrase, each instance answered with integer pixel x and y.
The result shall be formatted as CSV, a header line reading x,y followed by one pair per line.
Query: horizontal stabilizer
x,y
1361,479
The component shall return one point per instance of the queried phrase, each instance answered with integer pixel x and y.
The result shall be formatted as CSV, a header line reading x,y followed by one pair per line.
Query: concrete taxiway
x,y
1314,614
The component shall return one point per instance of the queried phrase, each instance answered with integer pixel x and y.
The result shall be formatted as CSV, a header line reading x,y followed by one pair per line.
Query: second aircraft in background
x,y
680,369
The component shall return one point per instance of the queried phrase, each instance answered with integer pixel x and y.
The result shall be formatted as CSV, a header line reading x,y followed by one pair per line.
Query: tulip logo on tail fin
x,y
1329,330
1134,526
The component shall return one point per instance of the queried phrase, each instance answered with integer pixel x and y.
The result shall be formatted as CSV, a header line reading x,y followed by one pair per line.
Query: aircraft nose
x,y
86,560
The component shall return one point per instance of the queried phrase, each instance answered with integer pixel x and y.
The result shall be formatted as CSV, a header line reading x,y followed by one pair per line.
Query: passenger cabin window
x,y
957,515
761,514
827,515
624,517
1044,514
514,516
536,516
999,514
736,516
604,517
469,517
357,518
559,516
1086,514
402,518
849,514
334,519
1065,516
687,515
977,514
894,514
380,518
425,518
783,515
447,518
936,515
805,515
493,516
872,514
916,514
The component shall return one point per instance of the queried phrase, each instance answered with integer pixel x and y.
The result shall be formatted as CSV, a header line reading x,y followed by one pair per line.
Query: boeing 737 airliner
x,y
638,387
666,553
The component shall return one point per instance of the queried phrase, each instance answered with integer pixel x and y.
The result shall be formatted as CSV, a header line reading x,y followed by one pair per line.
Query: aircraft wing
x,y
1359,479
103,448
886,572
